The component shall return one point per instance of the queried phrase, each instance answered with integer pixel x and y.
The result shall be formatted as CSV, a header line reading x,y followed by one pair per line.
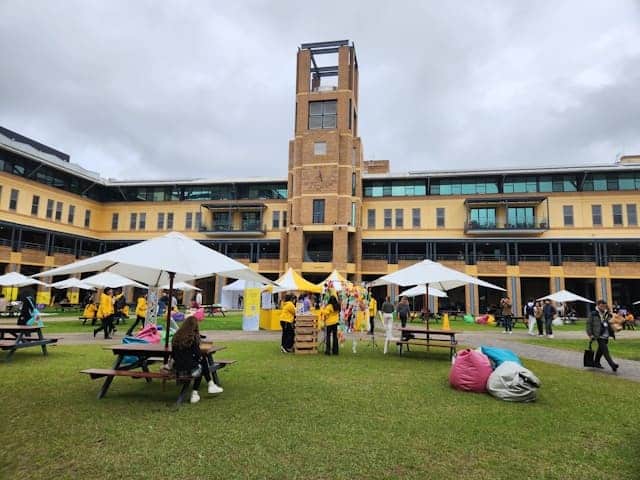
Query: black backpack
x,y
529,310
120,303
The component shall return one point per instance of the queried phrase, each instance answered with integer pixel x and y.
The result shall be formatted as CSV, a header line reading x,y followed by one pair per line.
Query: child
x,y
188,359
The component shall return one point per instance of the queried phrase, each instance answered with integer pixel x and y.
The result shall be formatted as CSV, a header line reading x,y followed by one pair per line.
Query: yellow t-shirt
x,y
331,317
288,312
141,307
373,307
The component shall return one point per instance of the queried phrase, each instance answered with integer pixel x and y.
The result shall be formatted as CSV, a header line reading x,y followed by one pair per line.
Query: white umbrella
x,y
170,258
636,303
419,290
15,279
111,280
72,282
564,296
187,287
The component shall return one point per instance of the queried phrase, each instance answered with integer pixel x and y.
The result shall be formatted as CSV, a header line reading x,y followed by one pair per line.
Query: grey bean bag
x,y
513,383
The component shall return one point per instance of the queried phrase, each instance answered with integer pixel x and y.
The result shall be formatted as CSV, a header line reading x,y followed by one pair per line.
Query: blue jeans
x,y
507,323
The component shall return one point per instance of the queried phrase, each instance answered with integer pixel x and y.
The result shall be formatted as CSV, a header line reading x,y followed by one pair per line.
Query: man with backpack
x,y
529,314
549,312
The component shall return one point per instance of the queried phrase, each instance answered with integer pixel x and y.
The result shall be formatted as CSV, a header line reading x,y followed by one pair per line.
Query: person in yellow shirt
x,y
287,316
105,313
373,311
331,314
141,313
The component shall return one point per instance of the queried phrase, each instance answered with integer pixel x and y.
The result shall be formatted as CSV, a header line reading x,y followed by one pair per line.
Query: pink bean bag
x,y
482,320
470,371
149,333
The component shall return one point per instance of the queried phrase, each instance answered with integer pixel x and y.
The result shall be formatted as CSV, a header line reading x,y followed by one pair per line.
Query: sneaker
x,y
550,336
540,335
504,331
282,349
615,367
510,332
213,388
195,397
598,366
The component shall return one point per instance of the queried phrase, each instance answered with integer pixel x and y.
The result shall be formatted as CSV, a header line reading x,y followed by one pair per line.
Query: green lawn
x,y
312,417
628,348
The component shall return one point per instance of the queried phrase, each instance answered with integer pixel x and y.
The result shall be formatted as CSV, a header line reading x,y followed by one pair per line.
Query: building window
x,y
188,221
142,221
13,200
353,214
482,218
160,220
323,114
50,209
567,213
35,205
632,215
58,211
318,211
440,217
170,221
371,218
114,221
320,148
617,215
275,219
71,214
520,217
87,218
387,218
222,221
353,184
596,215
415,217
198,220
284,218
133,221
399,218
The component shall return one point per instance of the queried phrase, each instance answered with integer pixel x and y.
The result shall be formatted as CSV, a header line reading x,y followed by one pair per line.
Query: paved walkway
x,y
629,369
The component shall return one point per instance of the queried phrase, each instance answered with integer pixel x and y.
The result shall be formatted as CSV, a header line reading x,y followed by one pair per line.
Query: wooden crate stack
x,y
306,334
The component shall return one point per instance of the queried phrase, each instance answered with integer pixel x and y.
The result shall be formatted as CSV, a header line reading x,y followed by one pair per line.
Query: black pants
x,y
506,320
287,335
603,350
372,324
331,339
403,323
205,373
138,320
548,325
107,327
540,324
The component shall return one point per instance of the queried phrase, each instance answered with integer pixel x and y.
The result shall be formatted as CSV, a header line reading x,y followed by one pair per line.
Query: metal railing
x,y
228,227
623,258
577,258
491,257
533,258
539,224
320,256
269,256
374,256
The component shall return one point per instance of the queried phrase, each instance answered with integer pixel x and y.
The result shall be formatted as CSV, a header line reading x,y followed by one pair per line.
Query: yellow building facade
x,y
530,230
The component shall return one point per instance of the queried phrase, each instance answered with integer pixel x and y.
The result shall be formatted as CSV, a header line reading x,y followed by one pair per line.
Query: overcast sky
x,y
178,89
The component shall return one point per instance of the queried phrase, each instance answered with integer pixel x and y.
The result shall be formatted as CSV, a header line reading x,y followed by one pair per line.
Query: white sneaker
x,y
510,332
550,336
195,397
213,388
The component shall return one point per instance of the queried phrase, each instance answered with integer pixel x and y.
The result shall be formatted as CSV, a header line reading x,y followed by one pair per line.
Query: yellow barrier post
x,y
445,321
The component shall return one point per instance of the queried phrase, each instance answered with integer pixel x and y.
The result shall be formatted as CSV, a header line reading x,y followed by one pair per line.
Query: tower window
x,y
323,114
320,148
318,211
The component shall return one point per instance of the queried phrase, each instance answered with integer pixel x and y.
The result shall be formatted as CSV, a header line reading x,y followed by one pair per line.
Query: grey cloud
x,y
199,89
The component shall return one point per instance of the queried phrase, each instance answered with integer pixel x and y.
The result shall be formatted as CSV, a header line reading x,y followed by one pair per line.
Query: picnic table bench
x,y
425,337
213,309
14,337
148,354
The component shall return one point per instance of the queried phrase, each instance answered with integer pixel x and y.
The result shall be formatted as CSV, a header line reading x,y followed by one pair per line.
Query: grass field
x,y
312,417
628,348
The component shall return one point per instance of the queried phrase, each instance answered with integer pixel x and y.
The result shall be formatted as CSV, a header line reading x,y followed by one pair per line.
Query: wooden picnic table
x,y
148,353
428,338
14,337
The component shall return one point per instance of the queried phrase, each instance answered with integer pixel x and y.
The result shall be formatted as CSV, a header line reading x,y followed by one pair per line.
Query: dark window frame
x,y
35,205
440,217
318,212
567,216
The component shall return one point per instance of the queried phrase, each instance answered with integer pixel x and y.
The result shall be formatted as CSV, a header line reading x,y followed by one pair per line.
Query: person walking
x,y
538,312
188,359
387,322
506,307
549,311
331,315
105,313
141,313
599,329
373,311
403,310
27,297
287,316
529,314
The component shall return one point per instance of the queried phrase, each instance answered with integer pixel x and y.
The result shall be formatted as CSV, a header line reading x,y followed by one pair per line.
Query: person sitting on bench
x,y
188,360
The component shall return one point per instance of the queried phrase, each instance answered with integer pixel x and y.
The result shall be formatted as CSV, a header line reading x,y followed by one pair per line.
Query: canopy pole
x,y
166,337
425,307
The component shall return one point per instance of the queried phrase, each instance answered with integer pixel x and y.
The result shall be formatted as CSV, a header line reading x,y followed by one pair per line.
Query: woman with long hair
x,y
331,313
188,359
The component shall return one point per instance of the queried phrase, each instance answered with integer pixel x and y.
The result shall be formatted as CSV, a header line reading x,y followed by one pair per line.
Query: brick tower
x,y
325,163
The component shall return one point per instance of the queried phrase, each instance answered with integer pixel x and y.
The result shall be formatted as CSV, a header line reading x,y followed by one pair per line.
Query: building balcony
x,y
535,227
244,229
